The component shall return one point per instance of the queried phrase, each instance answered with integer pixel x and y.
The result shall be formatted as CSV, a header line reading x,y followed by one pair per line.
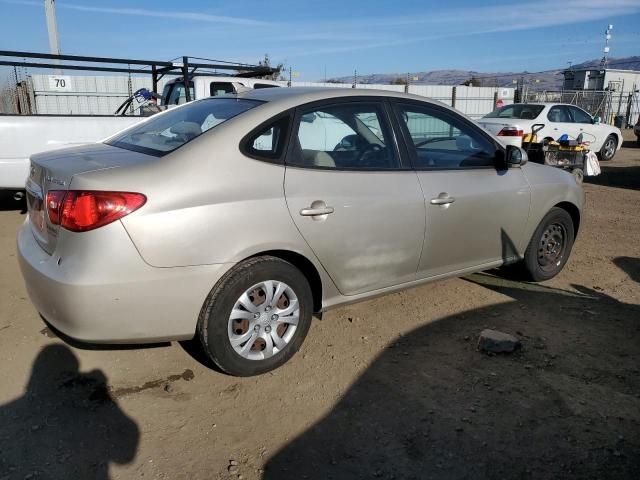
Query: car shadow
x,y
432,406
630,144
65,425
618,177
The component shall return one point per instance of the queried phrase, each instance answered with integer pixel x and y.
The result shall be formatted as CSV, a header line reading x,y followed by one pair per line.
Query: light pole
x,y
52,29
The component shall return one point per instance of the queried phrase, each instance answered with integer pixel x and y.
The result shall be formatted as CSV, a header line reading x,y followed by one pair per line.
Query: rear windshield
x,y
164,133
520,111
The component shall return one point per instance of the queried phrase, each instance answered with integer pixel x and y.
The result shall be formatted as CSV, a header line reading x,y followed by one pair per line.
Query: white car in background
x,y
511,122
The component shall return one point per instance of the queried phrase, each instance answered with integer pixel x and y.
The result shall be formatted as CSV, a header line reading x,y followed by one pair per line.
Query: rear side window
x,y
220,88
167,131
518,111
268,141
559,113
177,94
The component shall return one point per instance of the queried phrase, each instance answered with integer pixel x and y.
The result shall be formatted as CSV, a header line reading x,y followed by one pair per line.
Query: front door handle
x,y
442,199
316,208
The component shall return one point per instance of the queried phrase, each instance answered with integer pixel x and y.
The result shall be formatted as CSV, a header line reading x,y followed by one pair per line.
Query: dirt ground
x,y
390,388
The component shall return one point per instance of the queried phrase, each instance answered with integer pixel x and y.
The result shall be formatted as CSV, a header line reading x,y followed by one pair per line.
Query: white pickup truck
x,y
24,135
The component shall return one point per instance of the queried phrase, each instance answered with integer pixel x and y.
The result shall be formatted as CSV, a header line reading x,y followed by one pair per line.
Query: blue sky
x,y
374,36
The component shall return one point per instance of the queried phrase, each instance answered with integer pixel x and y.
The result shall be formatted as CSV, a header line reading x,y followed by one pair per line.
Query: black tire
x,y
213,322
540,262
605,153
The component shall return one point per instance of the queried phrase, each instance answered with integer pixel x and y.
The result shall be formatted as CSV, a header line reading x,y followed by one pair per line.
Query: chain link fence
x,y
16,96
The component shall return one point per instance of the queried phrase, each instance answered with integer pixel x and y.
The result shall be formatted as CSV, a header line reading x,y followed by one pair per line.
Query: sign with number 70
x,y
59,82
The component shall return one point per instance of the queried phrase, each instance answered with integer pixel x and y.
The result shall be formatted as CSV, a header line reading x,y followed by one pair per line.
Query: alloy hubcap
x,y
551,248
263,320
608,148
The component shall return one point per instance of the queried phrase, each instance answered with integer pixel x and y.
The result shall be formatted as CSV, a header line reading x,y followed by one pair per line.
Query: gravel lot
x,y
390,388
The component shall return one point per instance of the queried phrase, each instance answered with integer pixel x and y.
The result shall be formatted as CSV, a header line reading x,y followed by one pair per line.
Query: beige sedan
x,y
234,219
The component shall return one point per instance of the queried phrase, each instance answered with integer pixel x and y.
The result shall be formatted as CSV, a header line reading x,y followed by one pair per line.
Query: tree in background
x,y
278,74
398,81
472,82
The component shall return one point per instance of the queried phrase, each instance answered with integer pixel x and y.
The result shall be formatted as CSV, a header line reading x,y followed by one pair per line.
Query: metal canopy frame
x,y
158,69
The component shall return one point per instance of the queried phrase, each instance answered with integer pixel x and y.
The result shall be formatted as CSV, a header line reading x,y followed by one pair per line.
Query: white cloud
x,y
140,12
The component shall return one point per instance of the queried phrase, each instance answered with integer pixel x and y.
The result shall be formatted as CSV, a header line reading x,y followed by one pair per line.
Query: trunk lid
x,y
55,171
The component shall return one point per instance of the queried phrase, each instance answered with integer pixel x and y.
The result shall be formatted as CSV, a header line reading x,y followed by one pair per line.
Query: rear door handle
x,y
311,212
316,208
442,199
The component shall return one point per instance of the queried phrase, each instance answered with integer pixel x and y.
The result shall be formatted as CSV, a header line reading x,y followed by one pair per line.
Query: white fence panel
x,y
442,93
84,95
102,95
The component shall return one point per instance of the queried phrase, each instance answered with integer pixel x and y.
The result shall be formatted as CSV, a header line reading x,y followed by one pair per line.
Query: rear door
x,y
475,214
359,208
561,123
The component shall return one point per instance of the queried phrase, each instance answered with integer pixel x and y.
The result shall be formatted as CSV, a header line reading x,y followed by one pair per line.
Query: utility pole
x,y
355,79
52,29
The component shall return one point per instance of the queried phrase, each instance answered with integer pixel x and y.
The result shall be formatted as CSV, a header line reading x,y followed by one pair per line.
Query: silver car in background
x,y
234,219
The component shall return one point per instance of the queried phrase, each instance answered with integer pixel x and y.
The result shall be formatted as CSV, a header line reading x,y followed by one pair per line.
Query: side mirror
x,y
516,156
596,120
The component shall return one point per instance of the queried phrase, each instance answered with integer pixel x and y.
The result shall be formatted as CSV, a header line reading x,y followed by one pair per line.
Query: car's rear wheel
x,y
609,147
550,246
256,317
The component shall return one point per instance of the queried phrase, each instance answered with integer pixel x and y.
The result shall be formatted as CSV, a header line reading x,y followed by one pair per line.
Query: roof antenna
x,y
607,37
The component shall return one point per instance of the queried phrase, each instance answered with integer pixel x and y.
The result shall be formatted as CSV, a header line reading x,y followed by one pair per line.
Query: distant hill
x,y
548,80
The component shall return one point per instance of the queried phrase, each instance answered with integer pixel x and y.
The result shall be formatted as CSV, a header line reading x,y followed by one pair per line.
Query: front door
x,y
358,208
591,133
475,214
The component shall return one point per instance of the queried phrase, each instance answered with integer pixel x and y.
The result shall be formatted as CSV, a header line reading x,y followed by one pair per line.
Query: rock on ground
x,y
497,342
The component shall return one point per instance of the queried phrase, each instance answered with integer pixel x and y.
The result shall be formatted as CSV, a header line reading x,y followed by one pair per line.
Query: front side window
x,y
559,113
346,136
519,111
167,131
580,116
442,140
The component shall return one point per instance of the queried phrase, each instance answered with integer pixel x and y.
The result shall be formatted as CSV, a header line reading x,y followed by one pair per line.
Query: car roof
x,y
291,96
544,104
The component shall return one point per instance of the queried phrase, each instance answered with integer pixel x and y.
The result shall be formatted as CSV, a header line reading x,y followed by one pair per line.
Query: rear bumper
x,y
13,173
113,297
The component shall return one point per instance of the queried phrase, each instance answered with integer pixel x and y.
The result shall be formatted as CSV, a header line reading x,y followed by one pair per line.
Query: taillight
x,y
54,205
80,211
511,132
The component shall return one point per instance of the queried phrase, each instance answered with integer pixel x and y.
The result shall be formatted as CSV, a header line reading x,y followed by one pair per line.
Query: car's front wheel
x,y
256,317
609,147
550,246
